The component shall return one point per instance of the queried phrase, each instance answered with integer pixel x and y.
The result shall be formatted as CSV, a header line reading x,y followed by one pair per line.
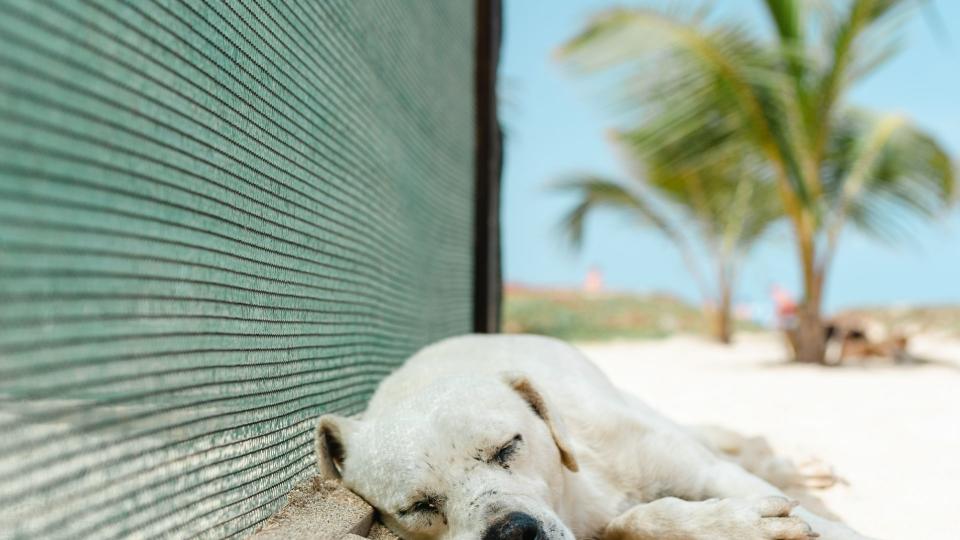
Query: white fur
x,y
432,426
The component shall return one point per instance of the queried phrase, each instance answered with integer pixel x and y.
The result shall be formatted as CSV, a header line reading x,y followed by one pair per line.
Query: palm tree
x,y
705,210
720,93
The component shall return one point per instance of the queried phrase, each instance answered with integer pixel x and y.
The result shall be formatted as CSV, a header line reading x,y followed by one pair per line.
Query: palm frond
x,y
595,193
860,39
731,197
885,162
787,16
716,83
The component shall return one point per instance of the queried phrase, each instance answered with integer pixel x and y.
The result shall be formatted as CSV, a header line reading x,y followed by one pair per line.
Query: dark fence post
x,y
489,138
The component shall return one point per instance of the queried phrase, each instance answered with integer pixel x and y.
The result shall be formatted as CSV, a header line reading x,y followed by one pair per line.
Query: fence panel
x,y
217,221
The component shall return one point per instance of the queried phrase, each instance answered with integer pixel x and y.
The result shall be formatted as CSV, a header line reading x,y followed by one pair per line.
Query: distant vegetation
x,y
912,320
580,316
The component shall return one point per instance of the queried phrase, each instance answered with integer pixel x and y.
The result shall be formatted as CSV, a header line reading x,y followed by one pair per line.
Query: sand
x,y
319,510
892,432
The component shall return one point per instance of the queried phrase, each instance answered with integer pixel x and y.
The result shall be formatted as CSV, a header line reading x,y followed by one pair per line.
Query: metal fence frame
x,y
489,159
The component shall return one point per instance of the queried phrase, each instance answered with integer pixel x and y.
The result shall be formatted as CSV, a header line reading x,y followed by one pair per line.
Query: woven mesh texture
x,y
218,220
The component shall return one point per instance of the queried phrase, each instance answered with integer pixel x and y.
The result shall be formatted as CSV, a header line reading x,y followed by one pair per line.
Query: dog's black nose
x,y
514,526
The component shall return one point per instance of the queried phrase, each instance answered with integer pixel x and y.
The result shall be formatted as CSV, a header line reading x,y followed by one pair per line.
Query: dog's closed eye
x,y
427,505
506,451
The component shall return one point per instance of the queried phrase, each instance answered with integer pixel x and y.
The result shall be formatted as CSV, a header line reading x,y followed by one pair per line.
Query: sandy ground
x,y
892,432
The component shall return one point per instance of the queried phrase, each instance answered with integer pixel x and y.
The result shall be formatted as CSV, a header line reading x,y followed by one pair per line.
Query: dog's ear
x,y
538,402
330,444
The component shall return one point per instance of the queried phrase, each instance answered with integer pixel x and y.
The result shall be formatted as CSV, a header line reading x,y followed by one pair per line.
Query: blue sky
x,y
555,126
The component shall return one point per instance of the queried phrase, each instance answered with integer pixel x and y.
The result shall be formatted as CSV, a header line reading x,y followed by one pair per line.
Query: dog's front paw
x,y
764,518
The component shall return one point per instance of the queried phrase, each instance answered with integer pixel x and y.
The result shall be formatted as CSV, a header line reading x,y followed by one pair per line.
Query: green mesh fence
x,y
218,220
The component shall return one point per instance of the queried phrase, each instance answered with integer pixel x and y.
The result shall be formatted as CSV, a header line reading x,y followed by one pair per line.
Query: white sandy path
x,y
892,432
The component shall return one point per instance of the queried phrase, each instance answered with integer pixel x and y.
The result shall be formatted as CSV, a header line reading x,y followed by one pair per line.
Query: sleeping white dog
x,y
522,438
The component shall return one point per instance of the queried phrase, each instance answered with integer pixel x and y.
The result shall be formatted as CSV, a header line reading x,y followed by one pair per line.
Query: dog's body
x,y
521,437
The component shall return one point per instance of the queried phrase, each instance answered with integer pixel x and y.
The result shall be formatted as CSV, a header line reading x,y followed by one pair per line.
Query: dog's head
x,y
465,459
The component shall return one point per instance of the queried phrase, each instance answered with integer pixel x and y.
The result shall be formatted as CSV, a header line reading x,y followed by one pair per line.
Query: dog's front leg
x,y
764,518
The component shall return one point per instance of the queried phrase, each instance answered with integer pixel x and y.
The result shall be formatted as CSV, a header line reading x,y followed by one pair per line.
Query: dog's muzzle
x,y
515,526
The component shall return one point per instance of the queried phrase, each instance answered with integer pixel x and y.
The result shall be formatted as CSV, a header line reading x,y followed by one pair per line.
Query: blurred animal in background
x,y
847,337
857,338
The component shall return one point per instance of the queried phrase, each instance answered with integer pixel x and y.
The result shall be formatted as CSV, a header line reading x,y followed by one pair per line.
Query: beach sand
x,y
891,432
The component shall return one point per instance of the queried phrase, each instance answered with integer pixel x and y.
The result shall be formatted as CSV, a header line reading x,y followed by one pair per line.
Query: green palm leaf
x,y
883,170
596,193
719,81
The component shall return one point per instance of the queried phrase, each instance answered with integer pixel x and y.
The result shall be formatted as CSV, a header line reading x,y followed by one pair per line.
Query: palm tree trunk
x,y
720,315
809,337
721,318
810,342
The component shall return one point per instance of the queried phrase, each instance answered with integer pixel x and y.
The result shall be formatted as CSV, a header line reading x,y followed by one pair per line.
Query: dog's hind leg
x,y
673,464
668,461
757,456
728,480
763,518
